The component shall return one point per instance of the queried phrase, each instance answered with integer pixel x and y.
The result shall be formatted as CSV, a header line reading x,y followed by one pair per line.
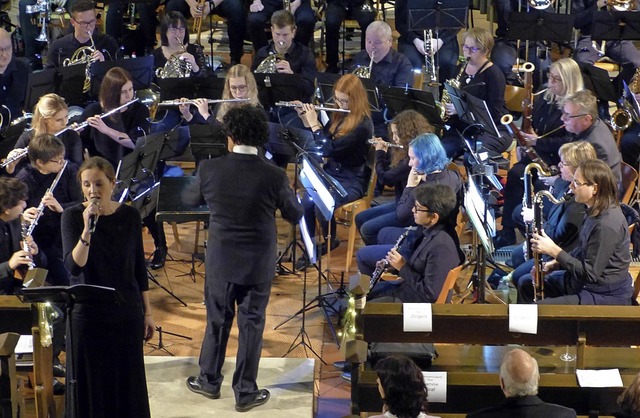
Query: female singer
x,y
102,244
561,222
549,134
401,386
174,37
343,142
392,168
481,79
50,116
596,272
239,84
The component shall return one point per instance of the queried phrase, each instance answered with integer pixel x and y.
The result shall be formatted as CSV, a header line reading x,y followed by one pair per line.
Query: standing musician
x,y
50,116
83,20
596,272
445,49
174,39
561,222
564,79
14,73
337,12
102,245
344,144
479,78
46,153
261,11
243,193
232,10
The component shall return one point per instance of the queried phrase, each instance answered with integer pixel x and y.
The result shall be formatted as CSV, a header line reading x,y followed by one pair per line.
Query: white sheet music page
x,y
608,378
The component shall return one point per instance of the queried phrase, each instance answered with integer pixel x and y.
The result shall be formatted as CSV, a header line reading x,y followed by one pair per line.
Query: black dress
x,y
107,339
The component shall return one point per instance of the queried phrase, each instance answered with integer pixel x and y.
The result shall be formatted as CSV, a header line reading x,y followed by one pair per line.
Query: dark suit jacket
x,y
524,407
243,193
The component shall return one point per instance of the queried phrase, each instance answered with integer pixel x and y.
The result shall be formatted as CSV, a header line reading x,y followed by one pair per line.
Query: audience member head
x,y
6,51
173,26
83,19
571,155
426,154
564,78
595,185
247,125
477,42
401,386
579,111
629,400
50,115
378,40
349,94
46,153
519,374
13,196
116,88
434,204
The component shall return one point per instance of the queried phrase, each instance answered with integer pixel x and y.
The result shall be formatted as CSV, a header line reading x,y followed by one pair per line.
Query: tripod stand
x,y
152,278
160,345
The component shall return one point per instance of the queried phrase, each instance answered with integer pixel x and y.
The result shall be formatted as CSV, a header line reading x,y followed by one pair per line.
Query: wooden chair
x,y
447,287
628,183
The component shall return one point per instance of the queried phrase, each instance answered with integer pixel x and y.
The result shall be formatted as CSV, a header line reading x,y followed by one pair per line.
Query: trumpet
x,y
168,103
197,21
388,144
81,126
326,109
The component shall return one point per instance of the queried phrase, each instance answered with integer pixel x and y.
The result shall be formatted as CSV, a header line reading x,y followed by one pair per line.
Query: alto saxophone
x,y
446,99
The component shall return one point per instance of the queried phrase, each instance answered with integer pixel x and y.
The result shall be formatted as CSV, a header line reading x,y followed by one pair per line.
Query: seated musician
x,y
343,143
14,73
630,141
596,272
14,259
176,49
444,49
146,11
481,79
232,10
46,153
436,251
564,79
561,222
83,20
428,162
50,116
261,11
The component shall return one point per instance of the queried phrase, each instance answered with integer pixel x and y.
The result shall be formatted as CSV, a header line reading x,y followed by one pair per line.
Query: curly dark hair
x,y
247,125
12,191
405,394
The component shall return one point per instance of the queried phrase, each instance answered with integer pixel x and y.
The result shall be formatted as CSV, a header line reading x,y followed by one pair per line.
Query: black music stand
x,y
191,88
80,293
207,142
274,88
141,70
39,84
326,81
472,110
537,25
399,99
598,81
71,84
615,26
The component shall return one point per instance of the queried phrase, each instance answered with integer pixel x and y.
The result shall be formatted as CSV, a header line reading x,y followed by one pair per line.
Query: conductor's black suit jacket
x,y
243,193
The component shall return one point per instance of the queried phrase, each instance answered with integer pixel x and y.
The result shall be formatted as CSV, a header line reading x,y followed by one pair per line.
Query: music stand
x,y
207,142
399,99
597,80
141,70
282,139
615,26
39,84
191,88
326,82
72,83
80,293
274,88
537,25
472,110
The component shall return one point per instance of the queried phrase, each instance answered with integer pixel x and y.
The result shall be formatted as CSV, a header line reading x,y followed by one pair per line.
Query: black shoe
x,y
302,263
58,387
59,370
261,398
159,255
195,385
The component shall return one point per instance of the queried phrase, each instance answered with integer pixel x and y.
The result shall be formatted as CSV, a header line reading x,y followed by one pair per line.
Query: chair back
x,y
447,287
628,183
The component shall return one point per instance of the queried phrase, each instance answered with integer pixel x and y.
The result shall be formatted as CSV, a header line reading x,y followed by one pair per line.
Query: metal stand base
x,y
161,346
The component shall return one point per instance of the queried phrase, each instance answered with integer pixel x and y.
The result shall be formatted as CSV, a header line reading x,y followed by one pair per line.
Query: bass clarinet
x,y
382,265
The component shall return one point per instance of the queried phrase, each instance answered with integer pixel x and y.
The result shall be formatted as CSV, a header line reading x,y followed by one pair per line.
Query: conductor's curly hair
x,y
247,125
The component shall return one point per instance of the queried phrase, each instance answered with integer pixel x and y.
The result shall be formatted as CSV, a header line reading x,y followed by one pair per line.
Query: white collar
x,y
245,149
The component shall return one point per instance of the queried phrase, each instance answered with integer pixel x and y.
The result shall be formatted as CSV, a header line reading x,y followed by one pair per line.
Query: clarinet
x,y
382,265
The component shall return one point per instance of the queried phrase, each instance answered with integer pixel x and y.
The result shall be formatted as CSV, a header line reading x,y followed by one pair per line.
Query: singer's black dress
x,y
107,340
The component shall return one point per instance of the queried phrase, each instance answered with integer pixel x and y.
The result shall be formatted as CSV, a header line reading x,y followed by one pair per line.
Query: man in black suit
x,y
243,192
519,377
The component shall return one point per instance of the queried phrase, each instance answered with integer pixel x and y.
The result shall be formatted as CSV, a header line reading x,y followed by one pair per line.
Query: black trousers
x,y
334,16
221,301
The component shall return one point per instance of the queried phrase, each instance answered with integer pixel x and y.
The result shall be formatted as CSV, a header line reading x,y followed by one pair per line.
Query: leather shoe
x,y
159,255
261,398
58,387
195,385
59,370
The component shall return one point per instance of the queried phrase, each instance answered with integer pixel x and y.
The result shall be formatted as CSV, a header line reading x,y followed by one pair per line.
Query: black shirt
x,y
13,86
65,47
159,60
392,70
300,60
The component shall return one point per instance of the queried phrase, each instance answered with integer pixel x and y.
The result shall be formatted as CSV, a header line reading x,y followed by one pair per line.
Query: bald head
x,y
519,374
6,50
4,35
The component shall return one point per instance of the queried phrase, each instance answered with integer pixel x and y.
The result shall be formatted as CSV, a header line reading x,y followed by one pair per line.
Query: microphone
x,y
93,219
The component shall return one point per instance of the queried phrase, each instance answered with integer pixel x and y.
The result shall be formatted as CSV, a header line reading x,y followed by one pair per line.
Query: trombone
x,y
326,109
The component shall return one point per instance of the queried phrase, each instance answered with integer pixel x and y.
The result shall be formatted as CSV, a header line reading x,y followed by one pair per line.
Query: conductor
x,y
242,192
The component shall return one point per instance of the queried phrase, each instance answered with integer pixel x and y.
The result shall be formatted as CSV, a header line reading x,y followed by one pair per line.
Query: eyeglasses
x,y
341,101
472,49
178,29
238,88
563,164
576,183
555,78
417,209
85,24
568,116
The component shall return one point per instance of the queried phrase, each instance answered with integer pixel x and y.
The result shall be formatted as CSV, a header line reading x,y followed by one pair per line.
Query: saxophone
x,y
446,99
625,114
528,201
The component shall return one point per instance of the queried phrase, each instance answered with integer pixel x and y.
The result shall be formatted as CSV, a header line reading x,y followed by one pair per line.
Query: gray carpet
x,y
290,381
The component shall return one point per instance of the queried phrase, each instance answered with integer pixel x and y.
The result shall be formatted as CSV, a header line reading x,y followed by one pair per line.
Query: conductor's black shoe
x,y
195,385
159,255
58,387
261,398
59,370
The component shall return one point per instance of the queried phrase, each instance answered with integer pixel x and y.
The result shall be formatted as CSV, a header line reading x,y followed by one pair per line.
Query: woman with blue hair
x,y
428,162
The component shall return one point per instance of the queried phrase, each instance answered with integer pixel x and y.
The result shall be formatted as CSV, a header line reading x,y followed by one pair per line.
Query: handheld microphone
x,y
93,219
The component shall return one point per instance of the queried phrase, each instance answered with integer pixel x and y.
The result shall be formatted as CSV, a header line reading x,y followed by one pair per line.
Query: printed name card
x,y
609,378
416,317
523,318
436,383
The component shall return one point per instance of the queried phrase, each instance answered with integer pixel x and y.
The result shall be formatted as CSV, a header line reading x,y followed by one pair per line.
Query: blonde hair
x,y
575,153
238,71
571,76
46,108
483,39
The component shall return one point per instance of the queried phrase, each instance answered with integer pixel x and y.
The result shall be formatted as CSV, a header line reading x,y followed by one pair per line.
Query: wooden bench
x,y
473,368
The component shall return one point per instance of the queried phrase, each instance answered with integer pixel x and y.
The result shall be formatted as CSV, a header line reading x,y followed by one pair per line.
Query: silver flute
x,y
179,102
84,124
327,109
389,144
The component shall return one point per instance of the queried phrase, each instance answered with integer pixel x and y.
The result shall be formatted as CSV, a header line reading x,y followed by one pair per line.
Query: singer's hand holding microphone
x,y
92,213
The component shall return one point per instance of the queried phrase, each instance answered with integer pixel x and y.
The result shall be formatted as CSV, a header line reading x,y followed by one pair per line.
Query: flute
x,y
16,157
179,102
327,109
84,124
389,144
